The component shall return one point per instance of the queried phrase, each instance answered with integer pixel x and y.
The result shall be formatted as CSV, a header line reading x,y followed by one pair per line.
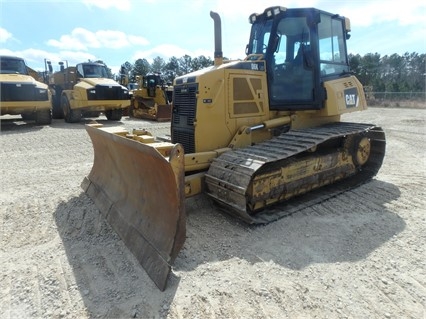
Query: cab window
x,y
332,49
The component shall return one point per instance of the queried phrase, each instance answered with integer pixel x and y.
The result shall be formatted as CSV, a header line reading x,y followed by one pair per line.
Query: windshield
x,y
13,66
152,81
260,37
290,65
92,71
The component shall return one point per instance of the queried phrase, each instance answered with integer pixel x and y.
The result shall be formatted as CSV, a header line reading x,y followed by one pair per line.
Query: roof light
x,y
274,11
253,18
268,13
277,10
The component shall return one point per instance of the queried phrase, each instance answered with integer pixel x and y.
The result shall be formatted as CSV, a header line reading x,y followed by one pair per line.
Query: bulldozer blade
x,y
159,113
140,192
164,112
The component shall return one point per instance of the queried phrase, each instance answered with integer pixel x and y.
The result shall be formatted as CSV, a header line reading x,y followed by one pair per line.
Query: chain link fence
x,y
396,99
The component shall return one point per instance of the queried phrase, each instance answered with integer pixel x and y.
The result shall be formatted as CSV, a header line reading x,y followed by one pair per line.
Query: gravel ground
x,y
357,255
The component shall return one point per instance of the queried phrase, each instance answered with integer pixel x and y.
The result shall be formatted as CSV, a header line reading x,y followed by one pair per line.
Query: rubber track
x,y
233,171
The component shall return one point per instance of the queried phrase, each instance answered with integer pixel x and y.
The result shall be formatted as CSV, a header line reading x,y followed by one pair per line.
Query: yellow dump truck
x,y
21,93
262,137
86,90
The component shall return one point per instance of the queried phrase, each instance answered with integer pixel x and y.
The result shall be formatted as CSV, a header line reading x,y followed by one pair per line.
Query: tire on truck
x,y
70,115
43,117
114,115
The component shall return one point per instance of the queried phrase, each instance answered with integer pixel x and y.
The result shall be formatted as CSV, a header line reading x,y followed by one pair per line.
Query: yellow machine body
x,y
22,93
86,89
150,100
253,134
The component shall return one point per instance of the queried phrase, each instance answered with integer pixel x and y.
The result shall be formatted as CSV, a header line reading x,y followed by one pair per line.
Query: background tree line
x,y
389,73
169,70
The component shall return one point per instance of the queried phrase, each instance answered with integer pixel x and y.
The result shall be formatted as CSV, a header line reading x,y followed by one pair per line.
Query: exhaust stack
x,y
218,54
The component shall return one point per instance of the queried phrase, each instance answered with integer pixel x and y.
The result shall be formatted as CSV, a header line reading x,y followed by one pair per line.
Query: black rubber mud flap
x,y
141,194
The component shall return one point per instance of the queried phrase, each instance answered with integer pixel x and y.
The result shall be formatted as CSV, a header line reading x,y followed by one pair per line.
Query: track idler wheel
x,y
362,150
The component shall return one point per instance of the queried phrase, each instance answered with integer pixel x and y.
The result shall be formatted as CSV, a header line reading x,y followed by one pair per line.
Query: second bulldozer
x,y
263,137
152,99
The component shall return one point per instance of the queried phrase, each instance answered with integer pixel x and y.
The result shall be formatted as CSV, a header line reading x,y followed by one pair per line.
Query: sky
x,y
116,31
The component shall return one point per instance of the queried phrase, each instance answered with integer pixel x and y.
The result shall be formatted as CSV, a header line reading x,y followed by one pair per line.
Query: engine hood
x,y
230,64
21,78
100,81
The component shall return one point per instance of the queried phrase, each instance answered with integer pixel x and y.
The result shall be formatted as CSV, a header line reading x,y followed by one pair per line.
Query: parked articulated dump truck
x,y
86,90
262,137
22,93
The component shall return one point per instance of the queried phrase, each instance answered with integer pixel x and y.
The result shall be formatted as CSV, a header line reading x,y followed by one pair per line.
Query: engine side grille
x,y
186,138
17,92
184,113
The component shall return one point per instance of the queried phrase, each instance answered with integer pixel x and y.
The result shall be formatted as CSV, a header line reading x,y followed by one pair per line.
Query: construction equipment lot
x,y
357,255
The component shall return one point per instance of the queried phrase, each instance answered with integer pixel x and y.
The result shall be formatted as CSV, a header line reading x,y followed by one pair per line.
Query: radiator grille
x,y
19,92
186,138
107,92
184,113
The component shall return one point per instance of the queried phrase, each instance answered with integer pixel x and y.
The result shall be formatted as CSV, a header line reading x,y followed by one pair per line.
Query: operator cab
x,y
151,81
302,49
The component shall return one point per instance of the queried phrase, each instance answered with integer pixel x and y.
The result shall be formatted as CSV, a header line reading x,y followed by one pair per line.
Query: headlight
x,y
41,94
278,10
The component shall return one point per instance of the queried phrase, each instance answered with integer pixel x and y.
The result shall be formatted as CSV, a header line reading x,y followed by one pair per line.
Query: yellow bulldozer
x,y
262,137
85,90
152,99
22,92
